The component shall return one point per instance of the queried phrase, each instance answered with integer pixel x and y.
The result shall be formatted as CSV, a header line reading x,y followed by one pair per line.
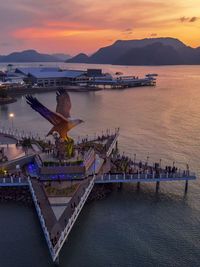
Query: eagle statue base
x,y
64,148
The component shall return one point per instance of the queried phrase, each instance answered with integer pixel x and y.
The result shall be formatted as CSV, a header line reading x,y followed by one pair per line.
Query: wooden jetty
x,y
57,229
119,82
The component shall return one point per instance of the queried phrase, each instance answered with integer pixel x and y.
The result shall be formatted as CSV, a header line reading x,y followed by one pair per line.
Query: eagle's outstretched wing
x,y
63,103
51,116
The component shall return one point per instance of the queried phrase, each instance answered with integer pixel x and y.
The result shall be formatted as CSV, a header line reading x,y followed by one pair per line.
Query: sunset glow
x,y
74,26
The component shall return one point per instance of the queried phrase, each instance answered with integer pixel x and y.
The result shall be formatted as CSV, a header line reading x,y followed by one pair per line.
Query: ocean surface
x,y
127,228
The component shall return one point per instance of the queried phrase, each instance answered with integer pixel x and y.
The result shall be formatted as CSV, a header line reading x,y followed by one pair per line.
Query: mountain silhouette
x,y
29,56
152,51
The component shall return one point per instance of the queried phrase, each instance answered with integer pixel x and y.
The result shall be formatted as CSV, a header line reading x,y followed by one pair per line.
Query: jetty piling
x,y
157,186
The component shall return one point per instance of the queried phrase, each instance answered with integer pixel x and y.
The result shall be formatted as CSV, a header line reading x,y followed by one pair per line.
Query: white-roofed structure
x,y
27,70
50,76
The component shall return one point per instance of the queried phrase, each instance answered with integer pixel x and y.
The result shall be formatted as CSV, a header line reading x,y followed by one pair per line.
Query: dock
x,y
56,228
121,82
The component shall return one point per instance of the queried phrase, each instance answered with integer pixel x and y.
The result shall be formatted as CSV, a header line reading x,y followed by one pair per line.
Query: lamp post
x,y
94,163
134,159
147,159
11,116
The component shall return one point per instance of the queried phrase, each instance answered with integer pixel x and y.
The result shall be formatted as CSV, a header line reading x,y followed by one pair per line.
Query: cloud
x,y
154,34
193,19
57,24
188,19
127,30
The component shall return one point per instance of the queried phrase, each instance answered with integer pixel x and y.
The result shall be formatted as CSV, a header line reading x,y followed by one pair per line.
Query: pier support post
x,y
119,185
186,186
57,261
138,186
157,186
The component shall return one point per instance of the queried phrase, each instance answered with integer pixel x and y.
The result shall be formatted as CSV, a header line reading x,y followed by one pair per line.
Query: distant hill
x,y
61,56
154,54
153,51
80,58
29,56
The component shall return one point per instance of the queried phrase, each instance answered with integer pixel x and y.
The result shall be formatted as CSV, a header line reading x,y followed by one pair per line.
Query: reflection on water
x,y
127,228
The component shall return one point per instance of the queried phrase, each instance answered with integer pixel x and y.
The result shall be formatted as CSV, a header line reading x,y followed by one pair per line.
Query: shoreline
x,y
23,195
7,100
17,91
16,194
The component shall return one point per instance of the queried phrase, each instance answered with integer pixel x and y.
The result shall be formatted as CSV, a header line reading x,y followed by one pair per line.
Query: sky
x,y
73,26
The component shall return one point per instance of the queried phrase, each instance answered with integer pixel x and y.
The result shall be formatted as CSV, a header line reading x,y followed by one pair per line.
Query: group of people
x,y
124,164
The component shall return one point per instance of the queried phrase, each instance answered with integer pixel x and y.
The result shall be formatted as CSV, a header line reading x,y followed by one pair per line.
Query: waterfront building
x,y
55,77
2,76
49,77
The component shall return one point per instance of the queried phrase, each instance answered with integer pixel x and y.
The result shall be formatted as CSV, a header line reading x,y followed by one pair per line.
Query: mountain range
x,y
33,56
152,51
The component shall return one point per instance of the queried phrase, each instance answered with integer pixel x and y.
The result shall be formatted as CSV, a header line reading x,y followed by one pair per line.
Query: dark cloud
x,y
193,19
154,35
127,30
188,19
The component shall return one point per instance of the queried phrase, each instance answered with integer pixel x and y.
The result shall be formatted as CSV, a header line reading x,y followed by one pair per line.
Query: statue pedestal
x,y
64,148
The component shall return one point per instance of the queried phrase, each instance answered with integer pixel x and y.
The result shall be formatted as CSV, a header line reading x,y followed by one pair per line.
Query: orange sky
x,y
73,26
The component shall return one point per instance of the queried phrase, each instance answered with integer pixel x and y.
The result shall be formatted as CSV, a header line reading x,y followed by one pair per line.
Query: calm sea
x,y
127,228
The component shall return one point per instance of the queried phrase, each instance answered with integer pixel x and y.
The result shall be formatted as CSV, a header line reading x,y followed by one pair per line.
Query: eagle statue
x,y
61,119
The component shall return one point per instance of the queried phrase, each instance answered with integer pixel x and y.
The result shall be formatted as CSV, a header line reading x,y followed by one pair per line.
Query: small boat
x,y
118,73
151,75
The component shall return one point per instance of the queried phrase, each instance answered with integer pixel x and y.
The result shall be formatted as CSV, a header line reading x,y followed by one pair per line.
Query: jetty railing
x,y
84,190
144,177
41,218
18,134
13,181
112,144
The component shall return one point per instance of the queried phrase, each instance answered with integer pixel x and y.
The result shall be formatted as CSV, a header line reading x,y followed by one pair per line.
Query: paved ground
x,y
12,152
6,140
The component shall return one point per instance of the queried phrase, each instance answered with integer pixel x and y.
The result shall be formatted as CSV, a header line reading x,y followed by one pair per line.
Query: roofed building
x,y
50,76
2,76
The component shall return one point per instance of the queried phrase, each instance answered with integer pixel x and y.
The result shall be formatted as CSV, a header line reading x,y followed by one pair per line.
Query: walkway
x,y
13,181
56,231
128,178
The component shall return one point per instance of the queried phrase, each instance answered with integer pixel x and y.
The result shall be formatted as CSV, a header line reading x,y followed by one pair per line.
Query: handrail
x,y
42,221
13,181
73,215
145,176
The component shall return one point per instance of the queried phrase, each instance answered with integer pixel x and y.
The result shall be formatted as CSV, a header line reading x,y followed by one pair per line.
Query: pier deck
x,y
106,168
147,178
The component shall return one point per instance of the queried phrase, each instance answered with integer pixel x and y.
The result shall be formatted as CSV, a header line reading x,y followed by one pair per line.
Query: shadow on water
x,y
127,227
131,227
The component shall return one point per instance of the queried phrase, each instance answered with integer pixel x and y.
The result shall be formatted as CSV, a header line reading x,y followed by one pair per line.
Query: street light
x,y
134,159
147,159
12,115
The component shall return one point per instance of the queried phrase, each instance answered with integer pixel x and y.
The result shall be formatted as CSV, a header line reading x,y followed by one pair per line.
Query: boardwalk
x,y
128,178
56,231
13,181
108,167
